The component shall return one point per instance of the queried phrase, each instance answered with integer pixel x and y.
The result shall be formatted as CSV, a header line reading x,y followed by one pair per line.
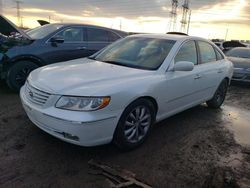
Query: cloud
x,y
140,15
37,10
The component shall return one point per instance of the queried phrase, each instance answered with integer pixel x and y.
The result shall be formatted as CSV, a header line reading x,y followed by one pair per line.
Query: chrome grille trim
x,y
35,95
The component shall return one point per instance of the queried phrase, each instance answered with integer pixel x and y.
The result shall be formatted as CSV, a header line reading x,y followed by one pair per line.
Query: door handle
x,y
81,48
197,76
220,71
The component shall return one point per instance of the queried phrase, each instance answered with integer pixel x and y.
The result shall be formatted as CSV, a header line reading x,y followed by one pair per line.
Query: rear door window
x,y
207,53
97,35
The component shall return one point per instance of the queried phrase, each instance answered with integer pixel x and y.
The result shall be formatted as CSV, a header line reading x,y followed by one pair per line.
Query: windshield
x,y
43,31
240,52
137,52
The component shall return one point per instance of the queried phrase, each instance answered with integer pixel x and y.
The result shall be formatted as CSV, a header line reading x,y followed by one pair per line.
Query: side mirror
x,y
57,40
183,66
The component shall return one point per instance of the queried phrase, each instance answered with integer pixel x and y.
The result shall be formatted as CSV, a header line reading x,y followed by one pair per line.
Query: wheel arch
x,y
31,58
149,98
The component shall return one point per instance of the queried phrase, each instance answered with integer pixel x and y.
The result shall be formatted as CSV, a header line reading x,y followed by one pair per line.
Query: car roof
x,y
88,25
169,37
240,48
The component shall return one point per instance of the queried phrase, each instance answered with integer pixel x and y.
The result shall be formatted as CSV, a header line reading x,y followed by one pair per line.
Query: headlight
x,y
82,103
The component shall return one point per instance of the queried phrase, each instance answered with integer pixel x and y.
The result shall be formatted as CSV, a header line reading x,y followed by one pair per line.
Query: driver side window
x,y
187,52
73,34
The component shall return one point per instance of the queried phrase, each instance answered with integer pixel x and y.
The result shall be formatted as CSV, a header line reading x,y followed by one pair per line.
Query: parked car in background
x,y
120,92
241,60
228,45
219,44
49,44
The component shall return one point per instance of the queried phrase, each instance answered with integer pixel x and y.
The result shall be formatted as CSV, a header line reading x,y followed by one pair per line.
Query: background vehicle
x,y
228,45
48,44
241,60
118,93
219,44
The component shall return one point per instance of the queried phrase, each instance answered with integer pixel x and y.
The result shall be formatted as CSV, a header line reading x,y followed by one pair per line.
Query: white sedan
x,y
120,92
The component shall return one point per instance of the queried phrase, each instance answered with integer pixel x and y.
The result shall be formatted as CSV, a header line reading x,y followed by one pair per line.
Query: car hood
x,y
74,77
7,27
240,62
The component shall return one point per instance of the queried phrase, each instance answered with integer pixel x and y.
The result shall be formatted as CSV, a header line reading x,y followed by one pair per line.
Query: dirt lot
x,y
196,148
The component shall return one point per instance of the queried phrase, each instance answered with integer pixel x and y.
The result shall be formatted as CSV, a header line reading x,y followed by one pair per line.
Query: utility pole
x,y
120,24
185,10
1,7
189,20
173,16
18,13
226,35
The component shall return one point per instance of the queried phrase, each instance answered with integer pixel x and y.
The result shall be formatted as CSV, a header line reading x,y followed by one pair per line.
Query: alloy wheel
x,y
137,124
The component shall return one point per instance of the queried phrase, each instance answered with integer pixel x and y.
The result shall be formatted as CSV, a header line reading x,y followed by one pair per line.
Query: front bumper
x,y
242,75
81,128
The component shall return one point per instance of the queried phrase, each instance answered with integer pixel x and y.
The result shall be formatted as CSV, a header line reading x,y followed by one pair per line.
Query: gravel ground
x,y
195,148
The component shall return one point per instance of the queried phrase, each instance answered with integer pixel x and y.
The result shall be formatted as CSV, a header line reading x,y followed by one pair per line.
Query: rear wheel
x,y
219,95
18,74
134,124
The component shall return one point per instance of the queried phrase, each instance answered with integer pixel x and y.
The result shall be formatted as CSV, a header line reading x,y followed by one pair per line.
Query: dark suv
x,y
51,43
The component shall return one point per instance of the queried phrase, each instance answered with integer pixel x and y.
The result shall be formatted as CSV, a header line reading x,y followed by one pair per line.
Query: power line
x,y
185,10
173,16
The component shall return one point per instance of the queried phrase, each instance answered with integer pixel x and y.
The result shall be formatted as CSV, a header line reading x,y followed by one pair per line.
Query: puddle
x,y
239,123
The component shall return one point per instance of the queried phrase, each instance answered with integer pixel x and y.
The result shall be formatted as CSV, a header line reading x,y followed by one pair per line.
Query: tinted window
x,y
187,53
112,36
207,52
97,35
239,52
43,31
137,52
72,34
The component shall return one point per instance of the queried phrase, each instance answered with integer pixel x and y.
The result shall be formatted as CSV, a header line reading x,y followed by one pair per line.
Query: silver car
x,y
240,57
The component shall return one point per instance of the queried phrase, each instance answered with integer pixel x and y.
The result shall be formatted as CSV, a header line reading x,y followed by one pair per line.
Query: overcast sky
x,y
210,18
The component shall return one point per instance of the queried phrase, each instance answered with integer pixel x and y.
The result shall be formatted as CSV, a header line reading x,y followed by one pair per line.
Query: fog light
x,y
70,136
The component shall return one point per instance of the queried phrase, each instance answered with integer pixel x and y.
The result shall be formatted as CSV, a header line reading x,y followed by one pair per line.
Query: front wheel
x,y
219,95
18,74
134,124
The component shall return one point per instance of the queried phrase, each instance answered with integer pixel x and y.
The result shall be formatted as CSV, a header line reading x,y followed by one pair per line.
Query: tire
x,y
18,74
135,124
219,95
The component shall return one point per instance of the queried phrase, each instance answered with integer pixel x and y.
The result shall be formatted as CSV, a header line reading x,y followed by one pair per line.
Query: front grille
x,y
35,95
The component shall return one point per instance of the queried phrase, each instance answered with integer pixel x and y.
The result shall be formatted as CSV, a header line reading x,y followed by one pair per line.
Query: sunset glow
x,y
209,20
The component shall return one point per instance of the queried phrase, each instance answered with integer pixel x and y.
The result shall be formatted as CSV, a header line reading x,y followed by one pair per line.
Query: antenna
x,y
185,10
18,13
173,16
